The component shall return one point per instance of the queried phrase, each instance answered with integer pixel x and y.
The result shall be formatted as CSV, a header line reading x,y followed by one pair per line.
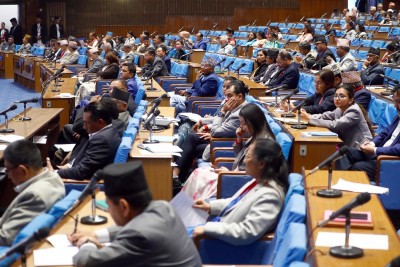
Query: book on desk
x,y
319,134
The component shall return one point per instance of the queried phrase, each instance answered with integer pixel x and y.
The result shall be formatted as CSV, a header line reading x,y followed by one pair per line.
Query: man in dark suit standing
x,y
39,32
99,150
155,66
323,52
56,29
288,73
16,31
372,68
385,143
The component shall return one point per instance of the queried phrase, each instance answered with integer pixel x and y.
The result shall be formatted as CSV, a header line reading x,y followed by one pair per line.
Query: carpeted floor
x,y
10,92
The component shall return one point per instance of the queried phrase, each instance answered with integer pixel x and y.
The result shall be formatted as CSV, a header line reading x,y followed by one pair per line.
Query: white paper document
x,y
9,138
40,139
65,147
161,148
189,215
54,256
364,241
359,188
59,241
3,147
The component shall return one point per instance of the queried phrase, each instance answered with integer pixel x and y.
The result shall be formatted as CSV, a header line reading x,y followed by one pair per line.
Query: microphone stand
x,y
6,130
288,114
346,251
151,88
299,126
329,193
94,219
152,127
25,118
56,85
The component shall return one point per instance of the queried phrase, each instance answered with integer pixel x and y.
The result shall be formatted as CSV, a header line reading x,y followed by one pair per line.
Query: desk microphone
x,y
283,87
323,15
32,100
10,108
181,28
222,60
389,79
156,103
216,24
240,67
159,98
21,246
254,22
151,117
228,66
184,55
358,48
332,158
286,97
359,200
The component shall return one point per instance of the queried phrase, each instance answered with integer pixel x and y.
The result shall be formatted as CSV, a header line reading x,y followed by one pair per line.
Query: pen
x,y
76,223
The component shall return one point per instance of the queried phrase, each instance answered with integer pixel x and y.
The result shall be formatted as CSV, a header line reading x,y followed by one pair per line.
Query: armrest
x,y
379,159
219,184
214,159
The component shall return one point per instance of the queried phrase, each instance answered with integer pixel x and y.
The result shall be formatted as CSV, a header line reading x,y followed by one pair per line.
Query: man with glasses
x,y
386,142
37,187
323,52
372,68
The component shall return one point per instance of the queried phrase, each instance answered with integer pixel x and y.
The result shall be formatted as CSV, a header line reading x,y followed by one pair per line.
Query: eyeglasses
x,y
340,96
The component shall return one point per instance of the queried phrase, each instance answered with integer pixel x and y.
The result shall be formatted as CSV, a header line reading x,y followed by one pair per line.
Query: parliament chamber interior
x,y
263,132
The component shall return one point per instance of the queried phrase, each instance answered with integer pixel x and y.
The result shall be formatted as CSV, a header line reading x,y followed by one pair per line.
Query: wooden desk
x,y
307,151
44,122
197,56
151,95
158,169
6,65
193,69
316,207
27,72
66,226
53,100
376,91
47,70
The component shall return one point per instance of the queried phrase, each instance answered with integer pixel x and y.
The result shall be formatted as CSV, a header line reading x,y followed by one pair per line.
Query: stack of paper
x,y
9,138
160,148
319,134
184,207
359,188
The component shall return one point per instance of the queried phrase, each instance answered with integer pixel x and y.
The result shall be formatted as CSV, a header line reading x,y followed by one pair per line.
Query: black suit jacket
x,y
53,31
157,68
321,59
34,33
17,33
96,153
289,76
370,76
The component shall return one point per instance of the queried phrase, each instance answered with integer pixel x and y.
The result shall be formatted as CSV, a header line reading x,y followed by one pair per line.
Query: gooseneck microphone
x,y
332,158
4,112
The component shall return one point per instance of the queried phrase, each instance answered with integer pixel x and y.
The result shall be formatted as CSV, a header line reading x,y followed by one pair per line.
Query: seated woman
x,y
262,65
360,31
252,38
179,52
349,120
223,126
26,46
322,100
254,209
261,40
350,31
272,41
307,35
202,183
109,71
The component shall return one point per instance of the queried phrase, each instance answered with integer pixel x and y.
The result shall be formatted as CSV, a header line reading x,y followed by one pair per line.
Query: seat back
x,y
285,141
125,146
61,206
41,221
229,184
82,60
294,246
387,179
295,186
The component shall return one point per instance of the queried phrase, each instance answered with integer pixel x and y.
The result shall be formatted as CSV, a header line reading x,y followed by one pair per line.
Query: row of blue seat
x,y
247,69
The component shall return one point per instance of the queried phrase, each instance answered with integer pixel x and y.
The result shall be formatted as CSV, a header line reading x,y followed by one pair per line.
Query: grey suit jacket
x,y
71,58
225,126
254,215
98,63
350,126
41,193
156,237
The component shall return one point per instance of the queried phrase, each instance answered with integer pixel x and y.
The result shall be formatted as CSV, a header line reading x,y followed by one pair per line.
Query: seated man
x,y
307,58
162,53
361,95
372,69
385,143
226,47
145,229
224,125
99,150
8,46
98,63
347,62
128,73
73,55
127,55
38,188
144,45
200,43
205,85
155,66
288,72
323,52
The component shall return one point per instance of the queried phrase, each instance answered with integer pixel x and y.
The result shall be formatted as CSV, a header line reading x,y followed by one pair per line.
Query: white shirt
x,y
38,29
394,135
58,30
